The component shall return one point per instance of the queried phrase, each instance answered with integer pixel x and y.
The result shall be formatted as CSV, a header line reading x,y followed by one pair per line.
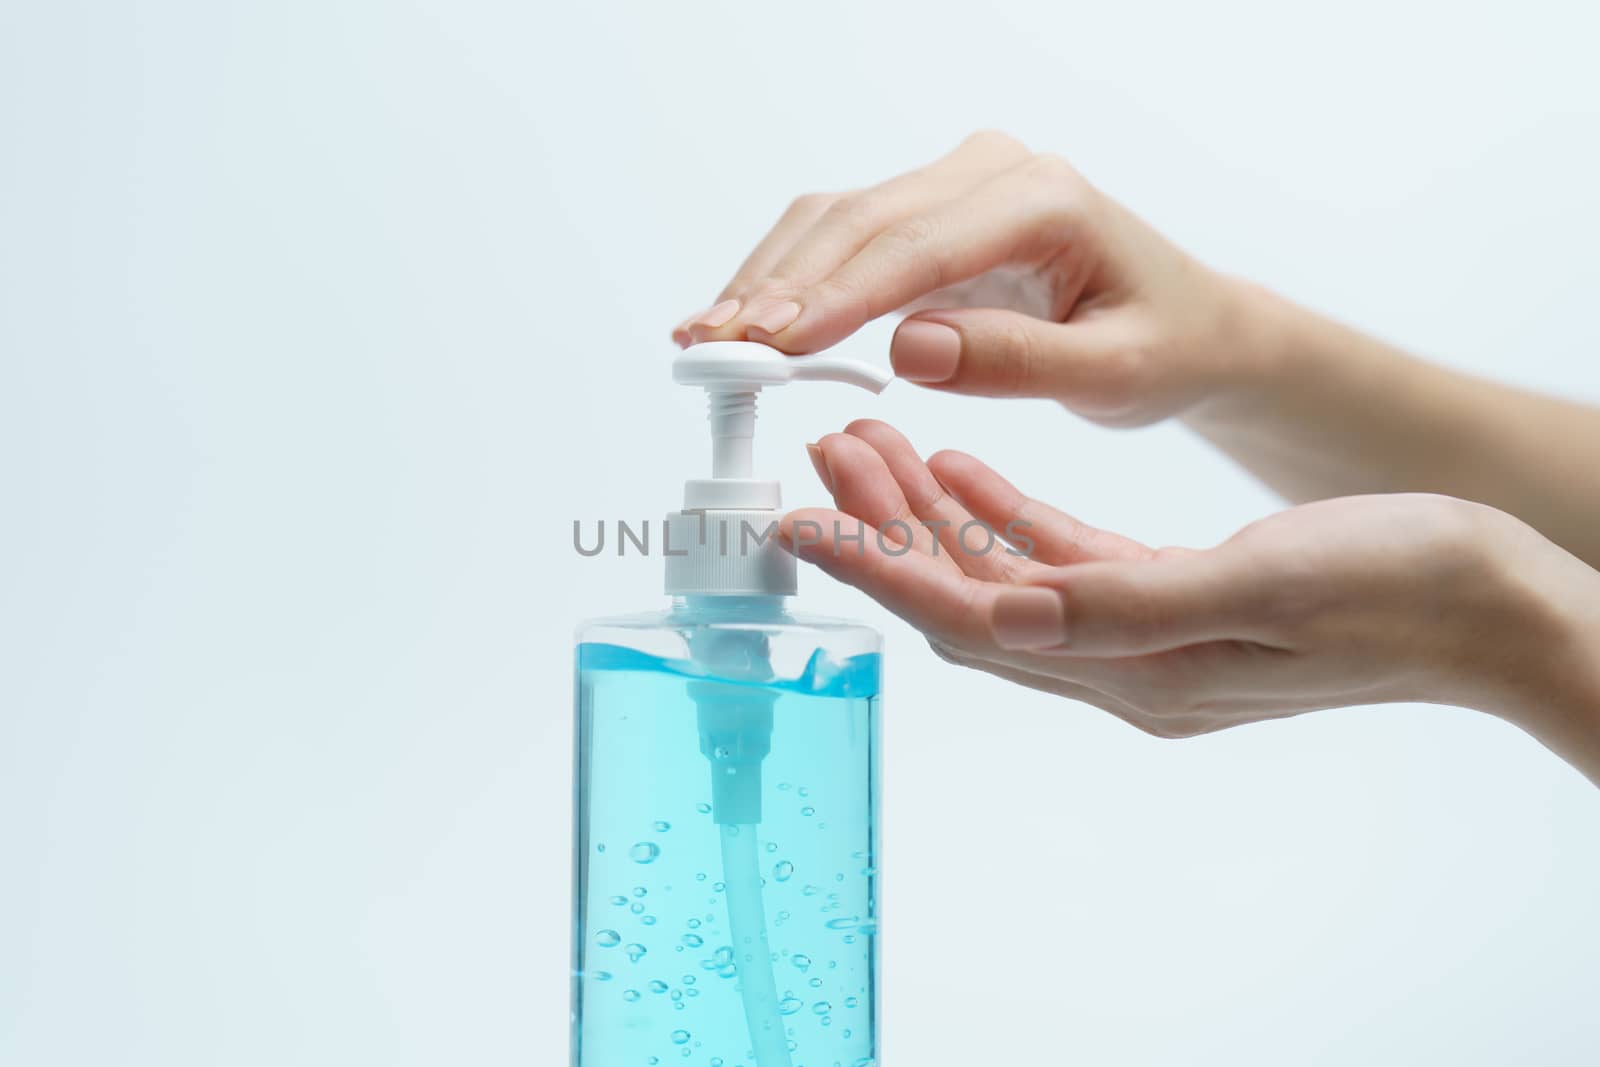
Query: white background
x,y
321,322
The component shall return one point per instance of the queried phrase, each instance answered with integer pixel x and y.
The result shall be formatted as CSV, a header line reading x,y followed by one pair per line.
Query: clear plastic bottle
x,y
725,896
726,838
725,856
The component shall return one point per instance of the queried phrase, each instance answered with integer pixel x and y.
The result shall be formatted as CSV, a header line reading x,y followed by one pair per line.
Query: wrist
x,y
1263,345
1538,644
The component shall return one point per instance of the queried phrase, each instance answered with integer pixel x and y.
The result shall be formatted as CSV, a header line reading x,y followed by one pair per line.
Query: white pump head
x,y
725,539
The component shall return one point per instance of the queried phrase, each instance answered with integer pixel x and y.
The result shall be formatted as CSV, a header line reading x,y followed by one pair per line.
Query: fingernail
x,y
776,318
820,461
924,351
1028,618
680,332
717,315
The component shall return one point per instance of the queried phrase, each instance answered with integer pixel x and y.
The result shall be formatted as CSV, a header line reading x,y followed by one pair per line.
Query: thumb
x,y
992,352
1133,608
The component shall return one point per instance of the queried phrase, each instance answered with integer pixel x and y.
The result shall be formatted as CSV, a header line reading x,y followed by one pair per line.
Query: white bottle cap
x,y
725,540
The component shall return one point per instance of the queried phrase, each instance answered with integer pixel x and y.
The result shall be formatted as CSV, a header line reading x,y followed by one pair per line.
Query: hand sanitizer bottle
x,y
726,799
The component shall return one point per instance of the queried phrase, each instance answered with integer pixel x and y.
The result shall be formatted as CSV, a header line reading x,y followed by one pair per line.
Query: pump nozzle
x,y
746,366
733,372
713,554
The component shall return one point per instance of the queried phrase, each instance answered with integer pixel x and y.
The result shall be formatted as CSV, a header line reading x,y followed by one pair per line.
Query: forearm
x,y
1324,410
